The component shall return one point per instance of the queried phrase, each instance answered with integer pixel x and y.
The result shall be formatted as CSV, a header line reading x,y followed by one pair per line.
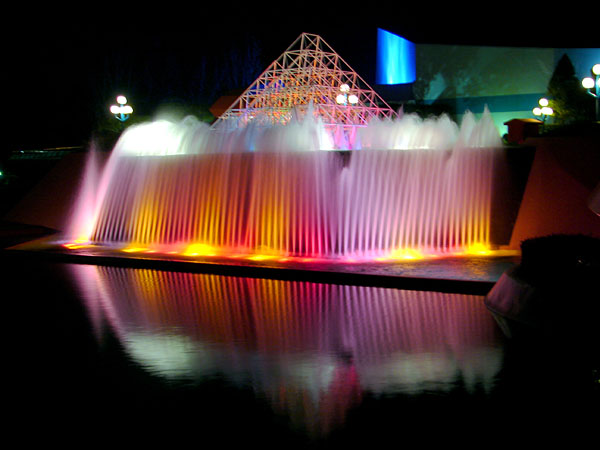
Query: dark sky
x,y
63,69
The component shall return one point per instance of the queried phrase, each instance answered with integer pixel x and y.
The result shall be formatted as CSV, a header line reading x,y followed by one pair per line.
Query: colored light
x,y
134,249
406,254
478,249
199,250
395,59
261,257
289,204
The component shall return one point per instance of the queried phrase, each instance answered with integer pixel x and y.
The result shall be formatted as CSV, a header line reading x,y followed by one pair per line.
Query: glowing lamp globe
x,y
546,110
588,83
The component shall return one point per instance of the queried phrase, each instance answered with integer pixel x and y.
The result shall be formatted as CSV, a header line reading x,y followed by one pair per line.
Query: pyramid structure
x,y
309,77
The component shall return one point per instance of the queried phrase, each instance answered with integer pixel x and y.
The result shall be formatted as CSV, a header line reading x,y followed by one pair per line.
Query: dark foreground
x,y
135,356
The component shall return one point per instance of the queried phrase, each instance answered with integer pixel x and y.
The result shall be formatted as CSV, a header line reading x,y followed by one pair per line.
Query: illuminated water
x,y
137,356
127,356
409,188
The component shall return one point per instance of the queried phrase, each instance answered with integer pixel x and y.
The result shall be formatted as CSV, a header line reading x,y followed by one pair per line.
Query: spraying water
x,y
410,186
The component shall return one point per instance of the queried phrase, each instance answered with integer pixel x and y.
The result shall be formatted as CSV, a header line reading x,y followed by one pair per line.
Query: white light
x,y
547,111
126,109
121,100
344,88
115,109
588,82
596,69
537,111
543,102
341,99
353,99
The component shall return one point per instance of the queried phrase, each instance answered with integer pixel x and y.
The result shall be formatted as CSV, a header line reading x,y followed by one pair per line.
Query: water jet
x,y
294,177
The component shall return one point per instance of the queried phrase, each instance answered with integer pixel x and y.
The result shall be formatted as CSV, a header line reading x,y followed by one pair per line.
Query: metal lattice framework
x,y
308,76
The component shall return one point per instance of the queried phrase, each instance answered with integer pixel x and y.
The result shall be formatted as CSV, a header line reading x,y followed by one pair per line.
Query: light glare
x,y
588,82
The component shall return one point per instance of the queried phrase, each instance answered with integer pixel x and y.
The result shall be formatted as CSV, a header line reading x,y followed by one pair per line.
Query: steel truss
x,y
308,77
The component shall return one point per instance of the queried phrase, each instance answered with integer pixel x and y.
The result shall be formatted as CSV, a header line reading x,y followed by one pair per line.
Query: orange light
x,y
133,249
261,257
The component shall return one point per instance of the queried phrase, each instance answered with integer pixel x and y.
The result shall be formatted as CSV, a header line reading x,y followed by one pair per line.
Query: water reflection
x,y
312,350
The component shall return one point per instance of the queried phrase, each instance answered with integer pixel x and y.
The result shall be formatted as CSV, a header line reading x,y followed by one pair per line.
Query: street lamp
x,y
122,111
593,83
344,98
543,110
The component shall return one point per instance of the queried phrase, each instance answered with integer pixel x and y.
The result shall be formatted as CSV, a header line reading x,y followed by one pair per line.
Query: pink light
x,y
292,205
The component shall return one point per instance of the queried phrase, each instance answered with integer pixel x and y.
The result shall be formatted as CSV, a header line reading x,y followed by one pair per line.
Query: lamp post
x,y
344,97
122,111
543,110
592,84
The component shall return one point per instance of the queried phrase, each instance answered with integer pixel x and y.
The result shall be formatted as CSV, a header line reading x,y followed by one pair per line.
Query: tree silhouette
x,y
568,98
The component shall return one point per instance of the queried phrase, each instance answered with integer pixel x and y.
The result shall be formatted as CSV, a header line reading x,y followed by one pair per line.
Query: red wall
x,y
564,173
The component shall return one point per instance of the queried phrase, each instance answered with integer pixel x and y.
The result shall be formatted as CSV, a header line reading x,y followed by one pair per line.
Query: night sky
x,y
65,71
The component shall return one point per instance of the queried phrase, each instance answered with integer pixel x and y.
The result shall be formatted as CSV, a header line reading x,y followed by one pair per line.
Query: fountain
x,y
409,187
305,166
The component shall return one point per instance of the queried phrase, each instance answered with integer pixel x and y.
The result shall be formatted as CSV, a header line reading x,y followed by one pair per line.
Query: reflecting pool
x,y
130,355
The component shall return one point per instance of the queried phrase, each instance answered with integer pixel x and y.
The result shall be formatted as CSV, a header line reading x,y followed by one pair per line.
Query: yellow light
x,y
77,244
134,249
407,254
261,257
478,249
199,250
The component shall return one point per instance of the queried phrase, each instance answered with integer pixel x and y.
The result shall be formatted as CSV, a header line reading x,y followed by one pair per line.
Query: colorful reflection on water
x,y
312,350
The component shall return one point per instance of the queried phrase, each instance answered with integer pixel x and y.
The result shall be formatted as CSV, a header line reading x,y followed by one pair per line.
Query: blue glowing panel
x,y
395,59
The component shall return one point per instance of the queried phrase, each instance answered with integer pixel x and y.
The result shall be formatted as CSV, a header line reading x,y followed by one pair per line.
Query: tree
x,y
568,99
